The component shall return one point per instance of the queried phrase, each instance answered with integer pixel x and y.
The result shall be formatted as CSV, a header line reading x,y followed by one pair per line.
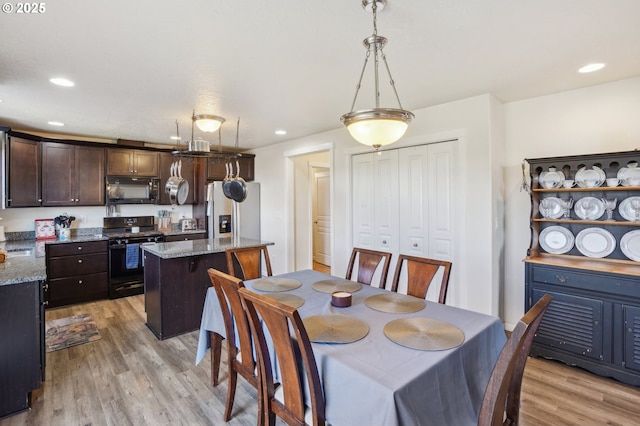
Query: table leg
x,y
216,350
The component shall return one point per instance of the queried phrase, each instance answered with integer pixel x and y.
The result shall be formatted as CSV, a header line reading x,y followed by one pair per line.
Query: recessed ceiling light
x,y
56,123
59,81
281,132
175,138
591,68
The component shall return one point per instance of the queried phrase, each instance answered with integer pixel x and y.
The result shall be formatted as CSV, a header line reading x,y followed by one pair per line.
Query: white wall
x,y
598,119
470,122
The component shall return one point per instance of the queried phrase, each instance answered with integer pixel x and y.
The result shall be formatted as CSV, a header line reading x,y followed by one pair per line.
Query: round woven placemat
x,y
335,328
288,299
276,284
395,303
424,334
339,284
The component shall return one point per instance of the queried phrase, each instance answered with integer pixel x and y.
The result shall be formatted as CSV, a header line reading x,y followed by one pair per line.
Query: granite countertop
x,y
180,232
198,247
25,260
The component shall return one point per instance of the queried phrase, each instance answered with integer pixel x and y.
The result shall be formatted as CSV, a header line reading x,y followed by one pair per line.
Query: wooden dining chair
x,y
248,259
368,262
420,274
288,400
501,402
240,360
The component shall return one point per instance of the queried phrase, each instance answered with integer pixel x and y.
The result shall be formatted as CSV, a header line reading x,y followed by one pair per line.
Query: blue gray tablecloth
x,y
377,382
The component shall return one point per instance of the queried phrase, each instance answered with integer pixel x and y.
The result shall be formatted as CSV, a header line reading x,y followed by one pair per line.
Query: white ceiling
x,y
140,65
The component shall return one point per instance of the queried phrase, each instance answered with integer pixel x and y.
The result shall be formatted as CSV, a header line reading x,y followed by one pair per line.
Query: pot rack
x,y
188,149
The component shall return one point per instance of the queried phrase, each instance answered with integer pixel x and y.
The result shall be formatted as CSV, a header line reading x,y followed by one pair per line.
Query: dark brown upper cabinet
x,y
23,173
216,167
72,175
132,162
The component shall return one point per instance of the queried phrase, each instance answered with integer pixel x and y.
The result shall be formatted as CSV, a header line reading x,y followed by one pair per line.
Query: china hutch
x,y
585,252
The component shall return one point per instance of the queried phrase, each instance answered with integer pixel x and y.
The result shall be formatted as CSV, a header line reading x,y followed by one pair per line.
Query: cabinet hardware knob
x,y
630,330
79,260
415,244
79,281
562,279
384,241
80,248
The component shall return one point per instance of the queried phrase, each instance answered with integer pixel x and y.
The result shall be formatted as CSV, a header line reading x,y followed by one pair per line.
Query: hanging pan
x,y
238,185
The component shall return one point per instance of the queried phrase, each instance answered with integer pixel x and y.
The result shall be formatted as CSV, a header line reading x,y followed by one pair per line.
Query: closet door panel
x,y
440,187
414,200
386,207
363,200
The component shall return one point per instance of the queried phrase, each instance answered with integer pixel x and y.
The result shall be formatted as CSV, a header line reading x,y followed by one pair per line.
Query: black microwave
x,y
132,190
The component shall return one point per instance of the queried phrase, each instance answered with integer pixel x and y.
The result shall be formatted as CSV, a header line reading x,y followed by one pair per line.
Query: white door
x,y
321,217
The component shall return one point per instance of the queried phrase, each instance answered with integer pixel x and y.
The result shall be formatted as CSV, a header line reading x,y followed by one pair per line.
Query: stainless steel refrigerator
x,y
227,218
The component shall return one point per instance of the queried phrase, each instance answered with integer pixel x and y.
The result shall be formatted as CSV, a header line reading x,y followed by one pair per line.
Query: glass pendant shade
x,y
208,123
377,127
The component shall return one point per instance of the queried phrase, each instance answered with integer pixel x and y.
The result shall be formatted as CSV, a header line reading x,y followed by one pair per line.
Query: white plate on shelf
x,y
595,242
594,174
626,208
589,208
556,239
551,208
630,245
551,179
629,172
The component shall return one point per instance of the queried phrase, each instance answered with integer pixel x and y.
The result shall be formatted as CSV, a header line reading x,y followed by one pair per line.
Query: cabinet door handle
x,y
562,279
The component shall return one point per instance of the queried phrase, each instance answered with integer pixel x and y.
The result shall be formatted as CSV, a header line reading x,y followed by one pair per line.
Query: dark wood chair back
x,y
240,359
248,258
280,319
368,262
501,402
420,273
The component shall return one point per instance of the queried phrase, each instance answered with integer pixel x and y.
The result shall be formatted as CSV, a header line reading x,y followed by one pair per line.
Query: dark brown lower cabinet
x,y
175,289
22,351
77,272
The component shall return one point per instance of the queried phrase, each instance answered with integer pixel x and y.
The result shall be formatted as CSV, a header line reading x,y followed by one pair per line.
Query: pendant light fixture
x,y
376,126
207,122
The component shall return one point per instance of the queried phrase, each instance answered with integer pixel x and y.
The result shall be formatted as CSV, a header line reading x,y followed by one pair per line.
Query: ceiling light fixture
x,y
376,126
56,123
206,122
59,81
281,132
591,68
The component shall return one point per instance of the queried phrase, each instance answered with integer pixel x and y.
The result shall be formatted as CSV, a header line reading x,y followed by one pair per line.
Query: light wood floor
x,y
131,378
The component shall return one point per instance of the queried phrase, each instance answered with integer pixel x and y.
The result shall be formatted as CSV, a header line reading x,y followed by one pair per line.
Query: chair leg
x,y
216,350
231,392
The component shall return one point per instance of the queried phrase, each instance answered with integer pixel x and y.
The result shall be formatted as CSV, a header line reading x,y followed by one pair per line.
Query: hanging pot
x,y
177,187
238,187
226,183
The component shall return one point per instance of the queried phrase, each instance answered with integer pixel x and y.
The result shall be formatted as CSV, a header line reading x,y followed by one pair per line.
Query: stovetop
x,y
119,228
122,234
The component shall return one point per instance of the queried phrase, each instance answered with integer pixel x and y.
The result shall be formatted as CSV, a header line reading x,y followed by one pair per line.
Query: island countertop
x,y
198,247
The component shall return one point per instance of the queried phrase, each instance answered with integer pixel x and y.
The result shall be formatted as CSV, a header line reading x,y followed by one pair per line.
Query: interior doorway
x,y
302,168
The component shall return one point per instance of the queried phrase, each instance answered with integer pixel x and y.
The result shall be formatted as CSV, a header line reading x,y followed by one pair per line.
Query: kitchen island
x,y
176,281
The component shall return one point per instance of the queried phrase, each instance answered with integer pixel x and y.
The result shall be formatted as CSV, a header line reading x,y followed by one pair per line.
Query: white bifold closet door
x,y
402,201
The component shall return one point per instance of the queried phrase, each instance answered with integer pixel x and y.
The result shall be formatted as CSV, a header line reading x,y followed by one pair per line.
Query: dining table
x,y
376,381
